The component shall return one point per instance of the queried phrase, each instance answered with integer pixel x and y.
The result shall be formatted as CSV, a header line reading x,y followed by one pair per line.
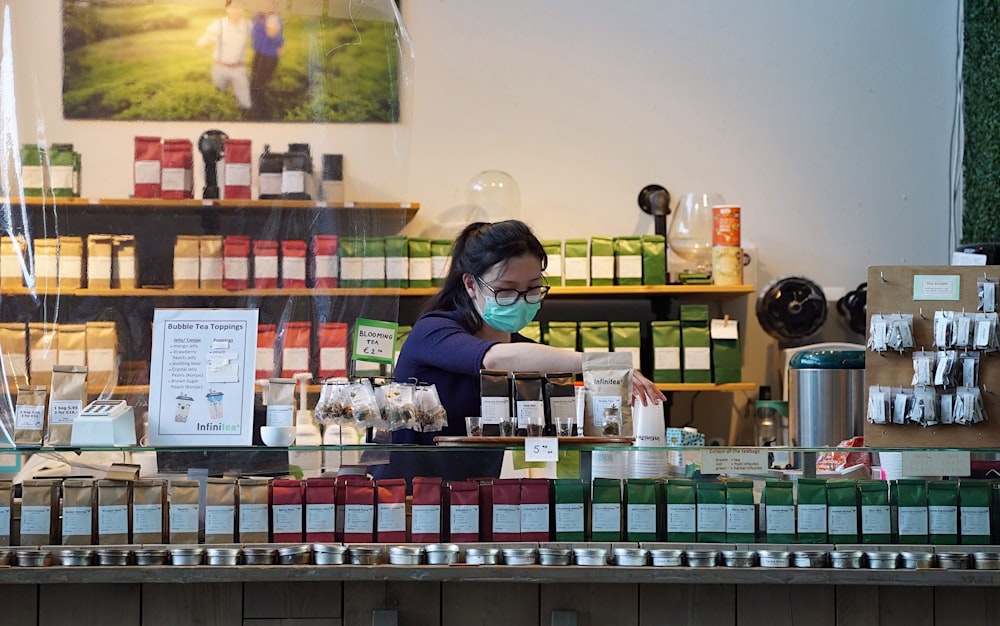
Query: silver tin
x,y
774,558
846,559
441,553
590,556
702,558
986,560
520,556
739,558
5,557
113,556
75,557
809,558
631,557
667,558
150,556
482,556
882,560
259,556
186,556
329,554
406,555
222,556
32,558
294,555
548,556
917,560
953,560
361,555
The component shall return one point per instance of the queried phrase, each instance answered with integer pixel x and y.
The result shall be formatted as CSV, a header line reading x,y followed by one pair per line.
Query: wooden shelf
x,y
707,387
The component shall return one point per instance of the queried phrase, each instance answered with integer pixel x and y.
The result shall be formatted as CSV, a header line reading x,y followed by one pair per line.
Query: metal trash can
x,y
826,397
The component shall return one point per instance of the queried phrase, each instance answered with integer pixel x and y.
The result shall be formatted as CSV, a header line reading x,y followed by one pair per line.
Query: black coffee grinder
x,y
212,145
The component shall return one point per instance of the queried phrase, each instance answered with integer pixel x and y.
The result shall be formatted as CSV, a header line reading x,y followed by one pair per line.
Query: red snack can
x,y
726,225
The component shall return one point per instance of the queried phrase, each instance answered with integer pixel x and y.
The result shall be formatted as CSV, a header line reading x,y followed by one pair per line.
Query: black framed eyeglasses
x,y
507,297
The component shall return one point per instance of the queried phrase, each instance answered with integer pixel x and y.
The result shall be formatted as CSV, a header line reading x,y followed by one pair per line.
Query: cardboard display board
x,y
899,289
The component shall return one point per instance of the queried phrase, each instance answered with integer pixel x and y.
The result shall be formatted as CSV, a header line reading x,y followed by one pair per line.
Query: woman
x,y
493,289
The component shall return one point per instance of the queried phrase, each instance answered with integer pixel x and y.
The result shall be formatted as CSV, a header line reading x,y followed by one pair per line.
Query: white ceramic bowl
x,y
277,436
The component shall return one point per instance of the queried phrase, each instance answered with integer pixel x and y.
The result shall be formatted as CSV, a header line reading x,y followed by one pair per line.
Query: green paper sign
x,y
374,341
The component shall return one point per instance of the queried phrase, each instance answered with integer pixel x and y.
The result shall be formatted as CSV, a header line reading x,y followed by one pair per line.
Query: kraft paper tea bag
x,y
570,509
696,342
741,514
607,378
43,350
595,336
46,263
72,344
420,272
99,255
628,260
641,509
29,415
711,511
606,510
562,335
811,510
554,267
842,511
70,263
66,400
149,498
123,262
187,269
78,512
974,511
113,499
6,506
14,352
102,354
281,402
286,510
681,504
220,510
183,511
13,263
210,262
779,511
876,524
942,512
626,337
666,337
576,263
254,512
602,261
39,512
654,260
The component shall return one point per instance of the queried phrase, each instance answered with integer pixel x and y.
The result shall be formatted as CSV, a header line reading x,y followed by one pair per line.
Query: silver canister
x,y
702,558
917,560
329,554
846,559
442,553
986,560
882,559
259,556
406,555
548,556
953,560
809,558
590,556
32,558
631,557
186,556
75,557
774,558
222,556
519,556
366,555
739,558
113,556
294,555
5,556
482,556
667,558
150,556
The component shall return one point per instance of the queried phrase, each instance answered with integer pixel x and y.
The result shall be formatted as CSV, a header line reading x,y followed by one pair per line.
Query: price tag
x,y
541,449
936,463
733,460
375,341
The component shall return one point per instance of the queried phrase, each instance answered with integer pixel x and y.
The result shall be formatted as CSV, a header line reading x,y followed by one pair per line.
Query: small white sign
x,y
936,463
541,449
733,460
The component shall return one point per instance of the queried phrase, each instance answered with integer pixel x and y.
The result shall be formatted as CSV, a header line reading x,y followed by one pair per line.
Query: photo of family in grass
x,y
231,60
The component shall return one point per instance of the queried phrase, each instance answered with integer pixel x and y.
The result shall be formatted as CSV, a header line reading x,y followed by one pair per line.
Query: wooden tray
x,y
518,442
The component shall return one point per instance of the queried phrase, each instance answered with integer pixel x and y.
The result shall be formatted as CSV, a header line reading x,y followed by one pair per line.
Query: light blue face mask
x,y
511,318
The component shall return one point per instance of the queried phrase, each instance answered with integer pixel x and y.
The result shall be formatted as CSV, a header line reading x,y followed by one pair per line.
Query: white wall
x,y
829,121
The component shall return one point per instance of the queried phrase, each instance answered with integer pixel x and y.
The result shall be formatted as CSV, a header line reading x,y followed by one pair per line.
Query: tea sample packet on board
x,y
607,378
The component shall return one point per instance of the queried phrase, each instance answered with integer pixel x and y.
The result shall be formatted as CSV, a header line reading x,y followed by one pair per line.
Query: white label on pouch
x,y
975,520
420,268
333,358
220,520
630,266
173,179
425,519
293,268
641,518
64,411
563,407
359,518
326,266
29,417
602,267
97,267
943,520
529,410
373,268
211,268
236,268
495,407
77,521
681,518
295,359
100,360
712,518
912,520
280,415
265,266
146,173
667,358
875,520
779,519
569,517
351,267
264,359
554,268
287,518
72,357
36,520
253,518
112,519
397,268
147,518
506,518
320,518
843,520
697,358
576,268
534,518
237,174
391,517
812,518
269,184
606,517
4,521
464,519
740,518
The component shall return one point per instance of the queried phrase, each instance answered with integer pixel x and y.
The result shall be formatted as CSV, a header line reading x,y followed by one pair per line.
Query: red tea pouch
x,y
332,344
535,509
463,511
390,514
295,348
293,264
506,510
236,170
146,170
320,509
359,511
340,498
265,264
286,510
323,262
236,262
177,169
266,363
425,516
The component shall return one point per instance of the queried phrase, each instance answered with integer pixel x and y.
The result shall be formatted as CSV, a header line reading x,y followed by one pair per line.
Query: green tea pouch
x,y
628,260
811,510
911,510
654,260
606,510
397,262
711,511
64,170
726,357
741,514
876,523
419,252
602,261
440,260
554,268
681,510
32,170
561,335
402,332
626,337
576,264
942,512
594,336
842,511
697,343
666,336
641,510
779,511
570,509
533,331
351,261
373,263
974,511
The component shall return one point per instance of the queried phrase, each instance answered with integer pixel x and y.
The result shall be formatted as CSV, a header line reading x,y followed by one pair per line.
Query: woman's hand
x,y
645,390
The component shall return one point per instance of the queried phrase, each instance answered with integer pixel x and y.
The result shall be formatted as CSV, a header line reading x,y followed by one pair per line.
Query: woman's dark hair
x,y
480,246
